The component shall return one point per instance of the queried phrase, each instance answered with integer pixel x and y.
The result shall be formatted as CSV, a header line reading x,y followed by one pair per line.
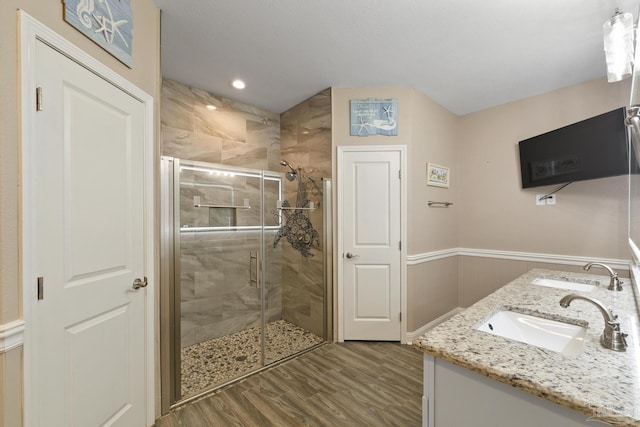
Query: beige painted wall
x,y
491,210
145,74
430,133
11,388
431,290
434,139
434,291
590,218
480,276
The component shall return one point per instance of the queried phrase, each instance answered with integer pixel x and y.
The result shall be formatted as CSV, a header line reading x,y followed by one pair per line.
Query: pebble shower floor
x,y
222,359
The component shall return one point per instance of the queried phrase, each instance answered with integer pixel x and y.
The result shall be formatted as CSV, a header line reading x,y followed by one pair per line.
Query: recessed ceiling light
x,y
238,84
211,107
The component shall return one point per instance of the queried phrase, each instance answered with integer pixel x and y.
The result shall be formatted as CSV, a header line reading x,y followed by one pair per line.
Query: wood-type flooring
x,y
338,384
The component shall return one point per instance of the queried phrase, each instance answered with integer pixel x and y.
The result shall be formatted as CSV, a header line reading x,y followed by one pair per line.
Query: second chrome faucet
x,y
615,284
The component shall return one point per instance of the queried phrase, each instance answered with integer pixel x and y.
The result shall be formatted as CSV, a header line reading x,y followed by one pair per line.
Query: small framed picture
x,y
437,175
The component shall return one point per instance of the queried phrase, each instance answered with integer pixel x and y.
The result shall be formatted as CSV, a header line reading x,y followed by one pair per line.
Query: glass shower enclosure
x,y
226,309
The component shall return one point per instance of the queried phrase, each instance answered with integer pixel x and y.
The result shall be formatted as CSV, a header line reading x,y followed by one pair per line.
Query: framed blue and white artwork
x,y
374,116
109,23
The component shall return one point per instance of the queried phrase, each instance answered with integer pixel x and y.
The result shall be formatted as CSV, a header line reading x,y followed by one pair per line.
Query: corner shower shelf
x,y
222,206
293,208
311,207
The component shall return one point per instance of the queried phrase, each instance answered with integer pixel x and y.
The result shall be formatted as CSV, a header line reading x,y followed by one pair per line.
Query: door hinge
x,y
400,245
39,98
40,288
401,316
400,174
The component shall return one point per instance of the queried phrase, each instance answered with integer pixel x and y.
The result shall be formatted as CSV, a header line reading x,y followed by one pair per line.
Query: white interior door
x,y
371,232
89,367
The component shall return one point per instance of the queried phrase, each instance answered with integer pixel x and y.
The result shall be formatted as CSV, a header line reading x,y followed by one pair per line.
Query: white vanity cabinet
x,y
455,397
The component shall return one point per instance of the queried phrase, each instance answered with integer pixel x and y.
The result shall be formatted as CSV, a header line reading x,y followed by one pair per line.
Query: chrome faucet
x,y
615,284
611,338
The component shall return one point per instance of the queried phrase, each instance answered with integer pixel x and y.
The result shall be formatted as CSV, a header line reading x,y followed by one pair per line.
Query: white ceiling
x,y
466,55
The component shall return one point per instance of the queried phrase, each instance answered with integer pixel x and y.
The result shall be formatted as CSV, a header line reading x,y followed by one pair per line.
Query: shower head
x,y
287,164
290,175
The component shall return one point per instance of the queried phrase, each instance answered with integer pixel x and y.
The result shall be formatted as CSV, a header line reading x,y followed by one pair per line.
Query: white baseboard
x,y
11,335
415,334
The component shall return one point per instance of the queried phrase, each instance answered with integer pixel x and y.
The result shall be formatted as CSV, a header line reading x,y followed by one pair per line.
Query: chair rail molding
x,y
11,335
516,256
431,256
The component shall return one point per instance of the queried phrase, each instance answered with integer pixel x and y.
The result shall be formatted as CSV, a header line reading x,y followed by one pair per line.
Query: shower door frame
x,y
170,295
171,280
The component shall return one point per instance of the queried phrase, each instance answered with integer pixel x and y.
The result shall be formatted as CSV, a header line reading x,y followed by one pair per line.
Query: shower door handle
x,y
258,265
254,256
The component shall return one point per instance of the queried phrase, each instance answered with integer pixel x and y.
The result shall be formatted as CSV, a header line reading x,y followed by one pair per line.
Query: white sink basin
x,y
553,335
563,284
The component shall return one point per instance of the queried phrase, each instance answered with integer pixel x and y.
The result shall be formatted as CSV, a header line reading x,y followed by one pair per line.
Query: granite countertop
x,y
600,383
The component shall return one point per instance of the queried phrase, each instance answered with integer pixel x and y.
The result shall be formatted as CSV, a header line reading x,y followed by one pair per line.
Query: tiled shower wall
x,y
216,295
233,134
306,144
217,298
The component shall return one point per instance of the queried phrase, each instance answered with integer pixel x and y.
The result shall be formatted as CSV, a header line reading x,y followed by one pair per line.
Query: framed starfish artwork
x,y
374,116
109,23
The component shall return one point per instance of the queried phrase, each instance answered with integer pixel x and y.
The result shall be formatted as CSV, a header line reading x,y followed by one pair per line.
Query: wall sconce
x,y
618,46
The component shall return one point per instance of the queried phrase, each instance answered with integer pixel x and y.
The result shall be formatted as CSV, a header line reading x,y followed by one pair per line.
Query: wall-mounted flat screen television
x,y
592,148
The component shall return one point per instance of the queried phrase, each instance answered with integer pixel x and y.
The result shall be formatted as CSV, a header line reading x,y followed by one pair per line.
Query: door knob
x,y
350,255
139,283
